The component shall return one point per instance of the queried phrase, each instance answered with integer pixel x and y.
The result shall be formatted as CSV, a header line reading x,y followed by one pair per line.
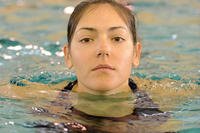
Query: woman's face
x,y
102,50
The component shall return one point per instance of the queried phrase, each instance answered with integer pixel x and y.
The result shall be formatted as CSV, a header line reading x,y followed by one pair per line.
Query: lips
x,y
103,66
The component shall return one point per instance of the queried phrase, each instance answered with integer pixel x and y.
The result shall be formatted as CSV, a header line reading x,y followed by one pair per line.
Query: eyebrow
x,y
117,27
95,30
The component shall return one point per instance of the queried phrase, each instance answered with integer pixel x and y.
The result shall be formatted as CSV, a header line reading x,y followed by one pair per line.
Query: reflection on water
x,y
33,72
52,110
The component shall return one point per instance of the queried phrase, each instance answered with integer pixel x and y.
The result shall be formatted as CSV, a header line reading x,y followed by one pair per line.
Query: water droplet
x,y
16,48
65,129
59,53
57,43
174,36
56,124
35,47
41,48
12,39
52,62
29,46
69,10
182,85
7,57
17,54
43,91
45,52
11,122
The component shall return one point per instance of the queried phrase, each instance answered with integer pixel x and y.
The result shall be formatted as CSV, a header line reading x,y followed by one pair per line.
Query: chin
x,y
103,88
102,85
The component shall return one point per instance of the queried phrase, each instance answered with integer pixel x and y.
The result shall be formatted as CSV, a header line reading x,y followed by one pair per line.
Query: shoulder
x,y
147,109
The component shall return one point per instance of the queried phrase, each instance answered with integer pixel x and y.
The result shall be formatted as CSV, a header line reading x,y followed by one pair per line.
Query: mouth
x,y
103,67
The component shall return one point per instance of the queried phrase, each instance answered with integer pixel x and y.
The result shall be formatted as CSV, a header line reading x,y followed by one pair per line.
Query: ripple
x,y
190,130
197,81
10,42
192,50
29,46
47,49
43,77
39,110
18,81
48,78
45,52
189,113
47,126
52,47
173,76
156,77
140,75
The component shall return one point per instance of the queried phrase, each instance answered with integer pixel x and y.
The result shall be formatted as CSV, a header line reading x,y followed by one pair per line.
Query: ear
x,y
67,55
136,54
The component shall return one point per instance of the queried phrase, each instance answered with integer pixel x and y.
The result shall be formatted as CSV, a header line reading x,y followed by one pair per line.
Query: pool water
x,y
32,68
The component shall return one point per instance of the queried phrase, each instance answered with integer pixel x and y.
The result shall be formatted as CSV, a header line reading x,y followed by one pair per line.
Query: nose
x,y
102,53
103,48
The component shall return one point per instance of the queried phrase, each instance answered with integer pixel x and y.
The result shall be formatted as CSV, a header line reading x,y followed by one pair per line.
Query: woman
x,y
102,47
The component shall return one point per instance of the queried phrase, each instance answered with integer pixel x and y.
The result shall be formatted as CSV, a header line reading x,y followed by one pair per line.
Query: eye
x,y
86,40
118,39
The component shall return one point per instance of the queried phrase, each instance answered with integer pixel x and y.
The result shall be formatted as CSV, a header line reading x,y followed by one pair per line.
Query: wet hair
x,y
126,14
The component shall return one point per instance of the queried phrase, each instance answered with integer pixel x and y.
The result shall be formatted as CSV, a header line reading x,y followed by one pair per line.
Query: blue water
x,y
32,35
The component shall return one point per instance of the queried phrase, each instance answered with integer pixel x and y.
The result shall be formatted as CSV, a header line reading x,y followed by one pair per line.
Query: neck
x,y
122,88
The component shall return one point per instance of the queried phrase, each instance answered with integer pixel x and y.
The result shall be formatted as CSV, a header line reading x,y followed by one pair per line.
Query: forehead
x,y
101,16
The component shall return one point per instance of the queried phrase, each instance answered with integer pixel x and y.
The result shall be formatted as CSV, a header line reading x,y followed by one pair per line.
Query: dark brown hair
x,y
125,13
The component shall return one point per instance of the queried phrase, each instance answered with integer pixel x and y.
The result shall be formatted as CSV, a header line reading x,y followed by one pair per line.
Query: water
x,y
33,71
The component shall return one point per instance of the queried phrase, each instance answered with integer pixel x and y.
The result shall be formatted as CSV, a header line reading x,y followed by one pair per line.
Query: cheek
x,y
126,56
125,64
77,59
80,58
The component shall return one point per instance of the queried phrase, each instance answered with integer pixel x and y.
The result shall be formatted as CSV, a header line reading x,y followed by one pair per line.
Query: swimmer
x,y
102,49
